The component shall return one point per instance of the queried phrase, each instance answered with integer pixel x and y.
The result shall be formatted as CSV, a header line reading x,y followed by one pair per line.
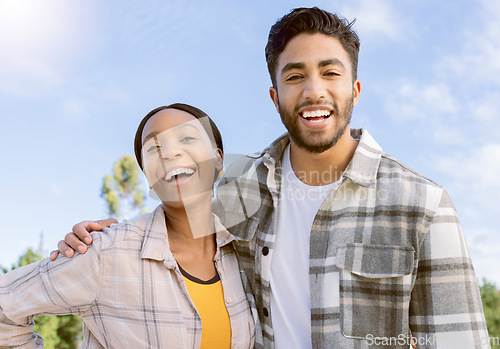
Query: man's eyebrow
x,y
331,61
292,65
323,63
156,133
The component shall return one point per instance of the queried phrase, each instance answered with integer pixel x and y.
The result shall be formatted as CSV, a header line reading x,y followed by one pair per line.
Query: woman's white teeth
x,y
315,114
178,171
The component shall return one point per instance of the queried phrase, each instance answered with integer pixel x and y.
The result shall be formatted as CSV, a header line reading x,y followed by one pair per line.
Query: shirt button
x,y
218,263
265,311
265,250
228,300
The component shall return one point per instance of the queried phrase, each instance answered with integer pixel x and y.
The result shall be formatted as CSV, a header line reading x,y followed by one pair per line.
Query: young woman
x,y
167,279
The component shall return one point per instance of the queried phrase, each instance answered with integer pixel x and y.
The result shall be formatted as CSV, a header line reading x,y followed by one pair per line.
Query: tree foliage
x,y
490,296
122,186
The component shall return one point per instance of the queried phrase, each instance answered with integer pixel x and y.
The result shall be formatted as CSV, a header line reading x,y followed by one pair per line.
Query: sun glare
x,y
39,39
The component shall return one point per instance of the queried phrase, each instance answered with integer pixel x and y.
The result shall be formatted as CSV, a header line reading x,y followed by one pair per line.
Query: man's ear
x,y
356,92
273,93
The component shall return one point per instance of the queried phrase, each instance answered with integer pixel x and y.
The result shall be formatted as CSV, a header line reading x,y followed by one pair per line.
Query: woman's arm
x,y
66,286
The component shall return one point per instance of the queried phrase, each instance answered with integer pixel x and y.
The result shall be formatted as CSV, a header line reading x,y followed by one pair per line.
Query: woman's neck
x,y
191,238
191,225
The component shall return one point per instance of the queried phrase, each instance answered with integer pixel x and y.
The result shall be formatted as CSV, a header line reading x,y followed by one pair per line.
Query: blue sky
x,y
77,77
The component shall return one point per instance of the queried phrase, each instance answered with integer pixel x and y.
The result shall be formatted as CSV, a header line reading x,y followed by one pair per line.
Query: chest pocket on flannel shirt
x,y
375,289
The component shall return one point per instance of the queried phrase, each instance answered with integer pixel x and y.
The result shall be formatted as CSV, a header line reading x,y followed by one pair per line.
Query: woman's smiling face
x,y
179,158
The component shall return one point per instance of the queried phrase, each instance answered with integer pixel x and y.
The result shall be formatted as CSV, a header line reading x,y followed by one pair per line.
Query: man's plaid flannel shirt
x,y
388,259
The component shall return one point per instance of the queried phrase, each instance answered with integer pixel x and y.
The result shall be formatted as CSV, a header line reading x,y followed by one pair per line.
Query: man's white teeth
x,y
316,114
182,170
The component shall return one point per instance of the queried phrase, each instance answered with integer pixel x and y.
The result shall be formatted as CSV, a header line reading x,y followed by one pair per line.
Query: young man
x,y
343,245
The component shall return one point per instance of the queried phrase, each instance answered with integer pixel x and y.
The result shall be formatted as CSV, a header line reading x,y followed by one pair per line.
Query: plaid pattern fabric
x,y
127,289
388,259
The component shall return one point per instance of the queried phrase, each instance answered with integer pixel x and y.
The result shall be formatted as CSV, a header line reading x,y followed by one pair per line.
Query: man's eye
x,y
293,77
332,73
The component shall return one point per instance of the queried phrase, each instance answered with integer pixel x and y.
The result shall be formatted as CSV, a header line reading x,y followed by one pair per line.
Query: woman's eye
x,y
187,139
153,148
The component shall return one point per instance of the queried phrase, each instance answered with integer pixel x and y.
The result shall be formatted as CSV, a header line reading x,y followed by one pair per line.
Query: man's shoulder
x,y
392,168
401,186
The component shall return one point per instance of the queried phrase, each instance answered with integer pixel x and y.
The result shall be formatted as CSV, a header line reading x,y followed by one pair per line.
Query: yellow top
x,y
208,297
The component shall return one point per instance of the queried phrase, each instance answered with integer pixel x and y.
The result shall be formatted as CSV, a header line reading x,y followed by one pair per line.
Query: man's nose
x,y
314,88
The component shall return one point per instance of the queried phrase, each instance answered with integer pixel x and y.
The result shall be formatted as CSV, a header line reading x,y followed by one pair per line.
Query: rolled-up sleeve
x,y
446,309
61,287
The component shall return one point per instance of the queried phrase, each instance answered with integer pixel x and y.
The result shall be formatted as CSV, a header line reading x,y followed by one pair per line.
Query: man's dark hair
x,y
207,123
311,21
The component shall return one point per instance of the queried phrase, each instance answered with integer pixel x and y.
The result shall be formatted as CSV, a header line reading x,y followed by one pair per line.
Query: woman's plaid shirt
x,y
128,290
388,258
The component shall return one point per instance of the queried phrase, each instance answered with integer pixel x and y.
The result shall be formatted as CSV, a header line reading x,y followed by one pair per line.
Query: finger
x,y
65,250
106,222
82,232
75,243
54,254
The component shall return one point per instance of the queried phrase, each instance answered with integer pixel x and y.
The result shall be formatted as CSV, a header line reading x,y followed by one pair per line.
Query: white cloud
x,y
428,106
411,100
23,75
478,59
474,186
485,108
473,176
376,19
483,247
458,102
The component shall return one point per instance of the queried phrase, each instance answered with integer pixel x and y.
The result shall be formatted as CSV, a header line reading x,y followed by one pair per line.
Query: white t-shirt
x,y
290,295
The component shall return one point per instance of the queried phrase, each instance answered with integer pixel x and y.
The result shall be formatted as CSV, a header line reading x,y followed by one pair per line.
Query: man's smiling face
x,y
315,93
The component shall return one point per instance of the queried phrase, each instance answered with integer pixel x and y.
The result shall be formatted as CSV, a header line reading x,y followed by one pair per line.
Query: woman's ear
x,y
219,160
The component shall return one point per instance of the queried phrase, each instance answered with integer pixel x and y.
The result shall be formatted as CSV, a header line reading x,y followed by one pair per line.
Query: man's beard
x,y
291,120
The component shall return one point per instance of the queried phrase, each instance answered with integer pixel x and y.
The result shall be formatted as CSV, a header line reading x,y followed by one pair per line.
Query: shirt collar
x,y
364,164
362,168
274,152
156,246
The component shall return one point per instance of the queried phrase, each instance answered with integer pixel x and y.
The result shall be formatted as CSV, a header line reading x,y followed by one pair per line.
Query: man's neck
x,y
326,167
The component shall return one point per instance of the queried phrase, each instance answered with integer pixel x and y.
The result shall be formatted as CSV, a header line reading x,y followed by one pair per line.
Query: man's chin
x,y
311,146
315,143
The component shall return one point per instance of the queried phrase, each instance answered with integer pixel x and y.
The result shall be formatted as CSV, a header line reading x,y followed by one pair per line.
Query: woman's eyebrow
x,y
151,135
156,132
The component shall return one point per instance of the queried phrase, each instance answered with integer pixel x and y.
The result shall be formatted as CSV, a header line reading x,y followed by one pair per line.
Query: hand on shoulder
x,y
80,237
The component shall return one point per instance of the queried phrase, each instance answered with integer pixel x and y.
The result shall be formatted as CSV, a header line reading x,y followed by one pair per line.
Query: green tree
x,y
28,257
490,296
122,187
58,332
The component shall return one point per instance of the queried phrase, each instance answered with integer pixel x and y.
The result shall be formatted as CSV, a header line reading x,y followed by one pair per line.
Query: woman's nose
x,y
171,152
